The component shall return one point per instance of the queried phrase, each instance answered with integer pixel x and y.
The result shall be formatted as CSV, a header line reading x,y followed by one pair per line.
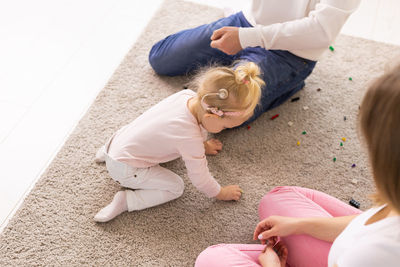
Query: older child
x,y
309,221
177,127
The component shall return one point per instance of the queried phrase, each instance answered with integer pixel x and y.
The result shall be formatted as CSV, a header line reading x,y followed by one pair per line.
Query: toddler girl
x,y
177,127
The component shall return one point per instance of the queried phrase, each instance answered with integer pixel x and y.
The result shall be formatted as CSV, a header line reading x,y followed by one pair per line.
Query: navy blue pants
x,y
187,50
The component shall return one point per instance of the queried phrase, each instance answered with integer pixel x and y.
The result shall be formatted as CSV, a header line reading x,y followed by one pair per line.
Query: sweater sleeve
x,y
318,30
196,164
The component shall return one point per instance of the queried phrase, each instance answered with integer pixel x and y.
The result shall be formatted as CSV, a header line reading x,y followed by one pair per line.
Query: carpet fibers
x,y
55,226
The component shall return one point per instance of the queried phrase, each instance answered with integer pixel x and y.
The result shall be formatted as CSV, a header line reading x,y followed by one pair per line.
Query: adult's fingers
x,y
283,252
266,234
216,44
261,226
218,33
279,247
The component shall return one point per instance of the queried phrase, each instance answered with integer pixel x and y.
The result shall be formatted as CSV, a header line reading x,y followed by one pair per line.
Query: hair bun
x,y
246,72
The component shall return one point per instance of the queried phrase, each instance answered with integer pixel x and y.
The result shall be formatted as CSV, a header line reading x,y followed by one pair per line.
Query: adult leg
x,y
187,50
282,72
295,201
224,255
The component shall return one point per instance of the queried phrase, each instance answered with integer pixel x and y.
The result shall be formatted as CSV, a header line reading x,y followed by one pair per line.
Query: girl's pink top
x,y
163,133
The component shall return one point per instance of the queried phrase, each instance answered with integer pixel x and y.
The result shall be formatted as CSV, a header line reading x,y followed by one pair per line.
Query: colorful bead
x,y
274,117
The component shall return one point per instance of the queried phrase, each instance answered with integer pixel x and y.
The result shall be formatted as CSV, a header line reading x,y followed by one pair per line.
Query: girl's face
x,y
215,124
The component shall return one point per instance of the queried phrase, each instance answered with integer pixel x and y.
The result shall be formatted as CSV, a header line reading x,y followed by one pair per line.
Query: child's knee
x,y
178,187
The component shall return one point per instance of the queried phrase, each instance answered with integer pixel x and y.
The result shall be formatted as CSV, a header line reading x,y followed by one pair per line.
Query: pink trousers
x,y
303,250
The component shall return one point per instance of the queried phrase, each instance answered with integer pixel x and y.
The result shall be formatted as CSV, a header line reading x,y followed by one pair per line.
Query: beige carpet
x,y
54,226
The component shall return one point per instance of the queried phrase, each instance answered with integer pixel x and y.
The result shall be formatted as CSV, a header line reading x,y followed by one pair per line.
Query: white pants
x,y
153,186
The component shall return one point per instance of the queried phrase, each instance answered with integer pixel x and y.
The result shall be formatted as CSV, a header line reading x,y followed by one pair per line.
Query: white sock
x,y
100,157
117,206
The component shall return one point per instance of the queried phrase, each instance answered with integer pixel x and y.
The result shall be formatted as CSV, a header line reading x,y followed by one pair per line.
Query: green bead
x,y
334,159
331,48
350,79
341,144
304,132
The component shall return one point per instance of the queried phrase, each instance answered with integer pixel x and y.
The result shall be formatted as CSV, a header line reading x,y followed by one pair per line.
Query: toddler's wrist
x,y
220,195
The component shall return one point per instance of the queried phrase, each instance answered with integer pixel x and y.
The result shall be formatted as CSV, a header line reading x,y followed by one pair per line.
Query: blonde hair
x,y
243,84
379,122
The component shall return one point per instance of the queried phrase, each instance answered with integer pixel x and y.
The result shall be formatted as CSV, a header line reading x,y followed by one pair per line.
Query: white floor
x,y
55,56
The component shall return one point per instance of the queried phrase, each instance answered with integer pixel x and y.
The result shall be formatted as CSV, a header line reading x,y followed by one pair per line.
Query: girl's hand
x,y
274,255
212,146
274,226
230,192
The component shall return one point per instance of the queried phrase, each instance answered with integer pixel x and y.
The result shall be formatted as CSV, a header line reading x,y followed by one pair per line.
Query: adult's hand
x,y
275,226
274,255
226,39
326,229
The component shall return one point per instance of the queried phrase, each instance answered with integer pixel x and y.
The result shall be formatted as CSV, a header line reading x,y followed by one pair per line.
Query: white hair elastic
x,y
222,94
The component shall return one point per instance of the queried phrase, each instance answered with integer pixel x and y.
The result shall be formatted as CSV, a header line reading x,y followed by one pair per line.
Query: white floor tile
x,y
46,35
60,88
10,116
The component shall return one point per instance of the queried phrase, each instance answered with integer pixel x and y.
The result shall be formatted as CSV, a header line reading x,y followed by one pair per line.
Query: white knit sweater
x,y
306,28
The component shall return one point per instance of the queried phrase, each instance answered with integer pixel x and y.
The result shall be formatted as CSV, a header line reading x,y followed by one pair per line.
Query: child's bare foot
x,y
112,210
212,146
